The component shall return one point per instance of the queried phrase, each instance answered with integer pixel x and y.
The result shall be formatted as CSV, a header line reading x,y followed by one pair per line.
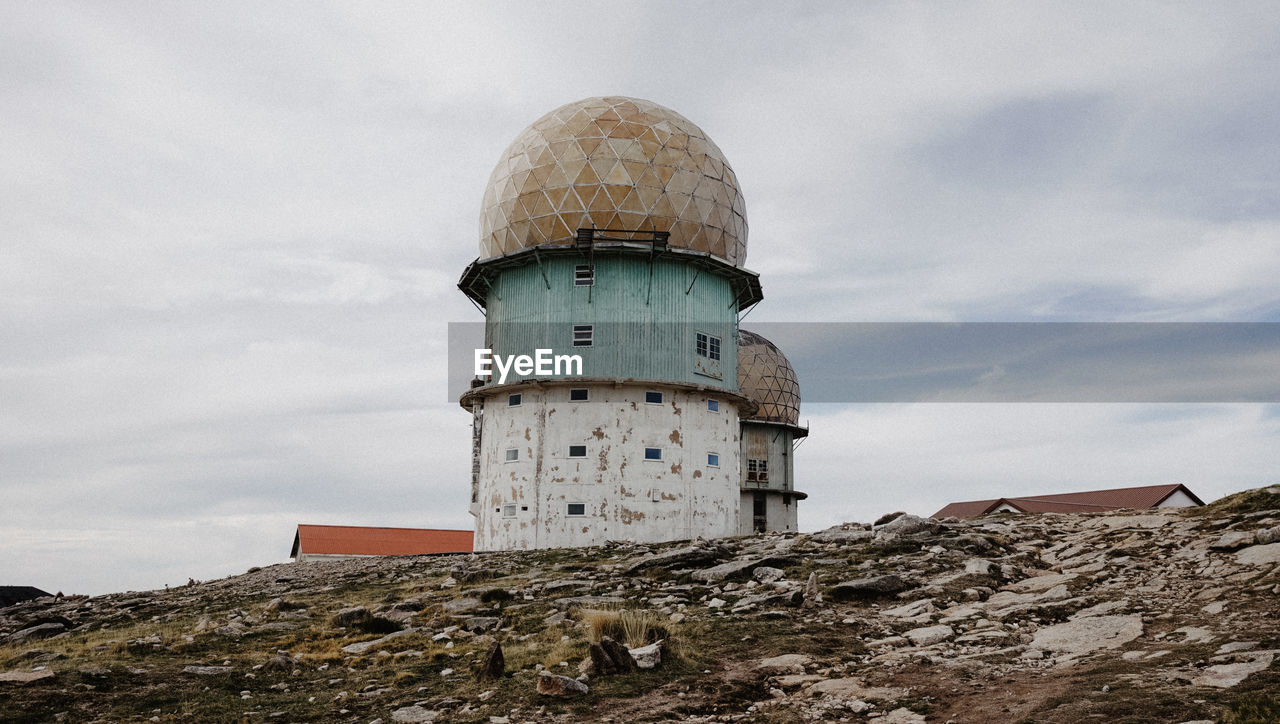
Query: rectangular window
x,y
513,400
758,470
508,511
713,460
653,398
577,451
706,346
582,334
713,405
653,453
578,394
584,275
577,509
513,454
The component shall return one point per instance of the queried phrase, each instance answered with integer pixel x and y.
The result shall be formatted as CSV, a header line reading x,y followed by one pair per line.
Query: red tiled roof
x,y
1148,496
354,540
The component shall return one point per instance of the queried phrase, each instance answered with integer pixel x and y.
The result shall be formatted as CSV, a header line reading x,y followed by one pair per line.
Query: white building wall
x,y
1179,499
778,515
625,496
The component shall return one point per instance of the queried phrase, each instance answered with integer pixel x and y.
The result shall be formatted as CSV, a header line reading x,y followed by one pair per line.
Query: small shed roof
x,y
352,540
1147,496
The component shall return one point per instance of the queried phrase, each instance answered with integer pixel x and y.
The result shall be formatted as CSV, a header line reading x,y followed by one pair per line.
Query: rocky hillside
x,y
1165,616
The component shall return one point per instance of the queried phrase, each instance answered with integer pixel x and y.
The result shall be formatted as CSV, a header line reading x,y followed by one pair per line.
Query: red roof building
x,y
1092,501
322,542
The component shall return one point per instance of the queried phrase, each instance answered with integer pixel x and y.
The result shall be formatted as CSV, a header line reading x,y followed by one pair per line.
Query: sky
x,y
230,237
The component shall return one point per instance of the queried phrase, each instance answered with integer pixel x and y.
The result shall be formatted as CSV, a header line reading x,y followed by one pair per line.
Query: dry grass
x,y
632,627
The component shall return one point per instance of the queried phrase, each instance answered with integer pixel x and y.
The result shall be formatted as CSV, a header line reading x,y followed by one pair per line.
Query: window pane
x,y
713,460
700,344
582,335
513,454
715,348
577,451
577,395
713,405
514,400
654,398
584,275
653,453
577,508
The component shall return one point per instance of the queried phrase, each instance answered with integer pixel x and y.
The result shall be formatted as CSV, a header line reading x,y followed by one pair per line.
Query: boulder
x,y
494,664
352,616
363,646
869,588
1268,535
1088,634
929,635
414,715
206,670
24,677
647,657
1233,539
908,525
459,605
840,534
40,631
812,594
610,657
482,623
550,684
694,556
1223,676
1260,555
784,664
768,574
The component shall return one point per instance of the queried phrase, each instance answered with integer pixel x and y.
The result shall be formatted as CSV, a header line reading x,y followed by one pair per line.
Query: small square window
x,y
653,453
713,460
508,511
577,451
578,394
706,346
584,275
577,509
653,398
713,405
513,400
582,335
513,454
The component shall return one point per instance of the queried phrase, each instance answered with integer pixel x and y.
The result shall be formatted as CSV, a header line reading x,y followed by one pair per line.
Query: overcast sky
x,y
231,235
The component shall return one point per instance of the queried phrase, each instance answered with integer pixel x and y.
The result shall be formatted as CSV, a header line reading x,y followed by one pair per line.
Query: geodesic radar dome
x,y
765,376
613,163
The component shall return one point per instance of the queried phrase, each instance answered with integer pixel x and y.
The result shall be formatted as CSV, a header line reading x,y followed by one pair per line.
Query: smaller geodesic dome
x,y
765,376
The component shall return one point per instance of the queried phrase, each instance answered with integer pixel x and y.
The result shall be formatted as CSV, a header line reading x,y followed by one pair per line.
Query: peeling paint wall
x,y
525,503
780,512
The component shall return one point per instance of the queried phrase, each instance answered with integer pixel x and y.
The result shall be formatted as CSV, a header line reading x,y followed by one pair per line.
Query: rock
x,y
869,588
1036,584
494,664
459,605
1088,634
647,657
1268,535
610,657
1233,539
907,525
694,556
353,616
923,608
589,601
1260,555
40,631
482,623
887,517
206,670
363,646
414,715
25,677
812,594
716,603
784,664
550,684
978,566
1223,676
853,688
840,534
902,715
768,574
929,635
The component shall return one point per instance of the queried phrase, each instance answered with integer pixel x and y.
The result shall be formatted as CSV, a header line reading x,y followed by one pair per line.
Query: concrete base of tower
x,y
579,464
765,510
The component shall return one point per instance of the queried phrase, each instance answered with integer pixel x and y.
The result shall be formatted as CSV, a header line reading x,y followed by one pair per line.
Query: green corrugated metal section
x,y
776,442
645,316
